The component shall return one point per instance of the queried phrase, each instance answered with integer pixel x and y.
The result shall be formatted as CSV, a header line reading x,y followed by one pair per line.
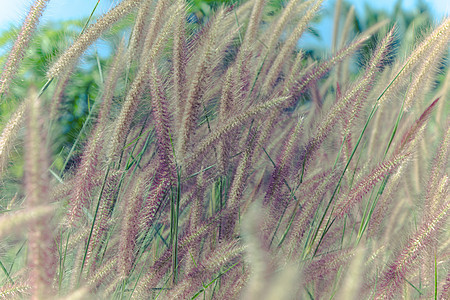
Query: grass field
x,y
220,160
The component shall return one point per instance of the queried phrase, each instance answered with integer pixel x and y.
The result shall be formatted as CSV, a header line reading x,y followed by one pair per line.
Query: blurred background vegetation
x,y
85,84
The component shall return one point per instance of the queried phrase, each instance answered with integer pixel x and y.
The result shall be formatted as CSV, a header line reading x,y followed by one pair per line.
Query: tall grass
x,y
221,161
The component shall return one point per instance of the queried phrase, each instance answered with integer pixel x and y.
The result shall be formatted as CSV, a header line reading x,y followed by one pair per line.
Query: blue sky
x,y
14,11
439,10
